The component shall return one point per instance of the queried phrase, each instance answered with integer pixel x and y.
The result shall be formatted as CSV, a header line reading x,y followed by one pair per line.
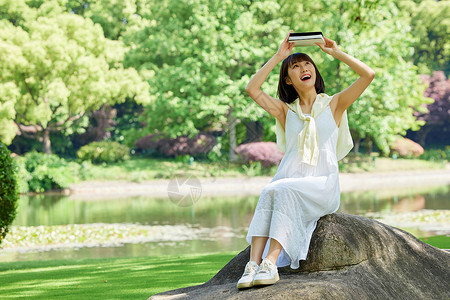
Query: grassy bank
x,y
118,278
439,241
38,172
139,169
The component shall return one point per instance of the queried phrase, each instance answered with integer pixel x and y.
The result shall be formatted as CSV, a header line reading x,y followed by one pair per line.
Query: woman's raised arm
x,y
273,106
346,97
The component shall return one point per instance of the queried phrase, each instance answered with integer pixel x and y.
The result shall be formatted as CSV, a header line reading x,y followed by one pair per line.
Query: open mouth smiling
x,y
305,77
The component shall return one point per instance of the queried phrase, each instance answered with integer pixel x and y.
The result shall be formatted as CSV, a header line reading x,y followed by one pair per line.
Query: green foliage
x,y
202,87
377,33
127,128
63,59
8,192
198,76
217,153
23,176
41,172
56,68
436,154
183,158
104,152
113,16
8,95
431,25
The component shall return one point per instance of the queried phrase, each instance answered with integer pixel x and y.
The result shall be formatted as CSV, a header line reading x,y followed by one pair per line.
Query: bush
x,y
23,176
265,152
8,191
42,172
436,154
105,151
197,146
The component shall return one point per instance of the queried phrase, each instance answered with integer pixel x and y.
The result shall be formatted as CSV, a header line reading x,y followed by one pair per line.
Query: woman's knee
x,y
275,187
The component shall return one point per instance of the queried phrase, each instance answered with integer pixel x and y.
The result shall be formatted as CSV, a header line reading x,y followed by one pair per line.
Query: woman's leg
x,y
257,248
274,250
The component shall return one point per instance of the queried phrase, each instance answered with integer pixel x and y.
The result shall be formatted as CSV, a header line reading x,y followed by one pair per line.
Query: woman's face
x,y
302,74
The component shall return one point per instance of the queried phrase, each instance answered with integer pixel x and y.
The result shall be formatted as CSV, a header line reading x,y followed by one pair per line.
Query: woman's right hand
x,y
285,47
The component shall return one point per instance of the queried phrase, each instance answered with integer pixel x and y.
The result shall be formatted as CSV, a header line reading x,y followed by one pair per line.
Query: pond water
x,y
234,213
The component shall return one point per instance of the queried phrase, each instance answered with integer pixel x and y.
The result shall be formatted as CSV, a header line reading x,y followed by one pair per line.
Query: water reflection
x,y
401,200
131,250
233,212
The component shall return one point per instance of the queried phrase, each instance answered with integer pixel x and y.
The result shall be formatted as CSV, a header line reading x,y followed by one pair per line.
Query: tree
x,y
377,33
438,116
198,56
113,16
431,25
60,68
8,96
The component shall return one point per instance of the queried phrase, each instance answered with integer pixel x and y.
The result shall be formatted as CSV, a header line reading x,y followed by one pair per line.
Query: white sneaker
x,y
246,280
267,274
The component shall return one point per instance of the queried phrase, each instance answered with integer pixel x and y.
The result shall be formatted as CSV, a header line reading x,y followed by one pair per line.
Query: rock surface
x,y
406,147
350,257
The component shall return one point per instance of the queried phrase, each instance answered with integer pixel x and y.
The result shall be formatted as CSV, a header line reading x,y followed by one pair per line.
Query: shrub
x,y
105,151
197,146
436,154
23,176
265,152
8,191
46,172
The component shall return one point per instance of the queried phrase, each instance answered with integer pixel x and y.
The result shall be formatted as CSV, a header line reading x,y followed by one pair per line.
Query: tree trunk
x,y
357,141
369,145
46,144
232,130
422,135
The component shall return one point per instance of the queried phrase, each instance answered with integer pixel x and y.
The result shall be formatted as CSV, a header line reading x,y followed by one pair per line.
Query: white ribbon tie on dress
x,y
308,147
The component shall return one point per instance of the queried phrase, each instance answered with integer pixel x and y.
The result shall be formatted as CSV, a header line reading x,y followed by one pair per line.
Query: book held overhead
x,y
303,39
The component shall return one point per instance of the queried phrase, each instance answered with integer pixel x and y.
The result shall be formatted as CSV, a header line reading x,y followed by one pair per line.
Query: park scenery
x,y
132,158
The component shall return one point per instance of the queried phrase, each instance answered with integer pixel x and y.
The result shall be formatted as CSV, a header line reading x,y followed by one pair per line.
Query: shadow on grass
x,y
124,278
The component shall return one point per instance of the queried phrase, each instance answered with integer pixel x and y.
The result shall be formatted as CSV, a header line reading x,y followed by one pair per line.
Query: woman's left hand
x,y
330,46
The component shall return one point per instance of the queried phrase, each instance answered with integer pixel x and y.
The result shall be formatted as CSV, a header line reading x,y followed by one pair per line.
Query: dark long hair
x,y
286,92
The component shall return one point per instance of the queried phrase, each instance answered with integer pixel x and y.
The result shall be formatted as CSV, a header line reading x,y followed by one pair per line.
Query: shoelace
x,y
265,267
249,269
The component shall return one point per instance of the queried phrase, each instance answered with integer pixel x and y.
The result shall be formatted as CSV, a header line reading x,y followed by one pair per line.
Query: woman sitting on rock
x,y
312,130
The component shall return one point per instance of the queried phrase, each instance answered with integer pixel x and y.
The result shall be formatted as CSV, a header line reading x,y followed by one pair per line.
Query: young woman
x,y
312,130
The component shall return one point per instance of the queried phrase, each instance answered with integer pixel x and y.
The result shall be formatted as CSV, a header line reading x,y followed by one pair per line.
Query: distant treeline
x,y
74,72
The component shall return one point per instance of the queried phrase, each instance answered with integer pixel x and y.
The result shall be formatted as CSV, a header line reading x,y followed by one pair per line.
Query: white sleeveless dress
x,y
299,194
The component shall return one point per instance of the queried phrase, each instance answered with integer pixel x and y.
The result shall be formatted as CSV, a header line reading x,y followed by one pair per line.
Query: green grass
x,y
118,278
139,169
371,163
439,241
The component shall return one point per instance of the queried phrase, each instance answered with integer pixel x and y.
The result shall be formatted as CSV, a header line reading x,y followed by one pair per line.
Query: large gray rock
x,y
350,257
